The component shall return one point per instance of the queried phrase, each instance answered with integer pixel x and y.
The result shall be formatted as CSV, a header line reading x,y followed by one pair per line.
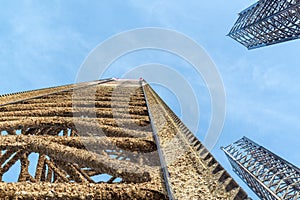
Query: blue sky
x,y
43,43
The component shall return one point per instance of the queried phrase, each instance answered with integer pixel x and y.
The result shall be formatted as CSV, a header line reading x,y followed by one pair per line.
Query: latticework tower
x,y
106,139
268,175
267,22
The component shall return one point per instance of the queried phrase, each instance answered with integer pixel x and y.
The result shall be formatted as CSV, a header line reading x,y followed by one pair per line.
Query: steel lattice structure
x,y
106,139
267,22
268,175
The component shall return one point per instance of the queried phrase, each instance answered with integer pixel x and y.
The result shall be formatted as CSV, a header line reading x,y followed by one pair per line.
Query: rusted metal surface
x,y
95,141
193,171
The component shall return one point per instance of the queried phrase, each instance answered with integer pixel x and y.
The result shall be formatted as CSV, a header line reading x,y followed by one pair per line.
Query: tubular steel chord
x,y
267,22
268,175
